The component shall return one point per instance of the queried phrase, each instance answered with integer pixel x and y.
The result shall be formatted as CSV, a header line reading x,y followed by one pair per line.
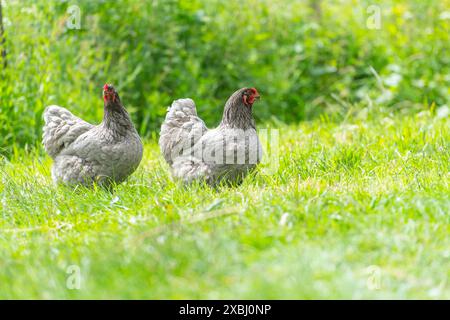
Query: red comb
x,y
105,87
254,91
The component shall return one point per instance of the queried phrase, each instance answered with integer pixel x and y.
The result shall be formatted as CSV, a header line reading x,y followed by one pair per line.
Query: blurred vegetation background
x,y
307,58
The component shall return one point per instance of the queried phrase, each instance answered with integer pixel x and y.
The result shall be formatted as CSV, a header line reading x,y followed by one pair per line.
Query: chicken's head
x,y
249,96
238,109
110,95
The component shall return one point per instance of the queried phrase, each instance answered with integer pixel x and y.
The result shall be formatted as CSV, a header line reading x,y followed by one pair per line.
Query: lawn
x,y
357,209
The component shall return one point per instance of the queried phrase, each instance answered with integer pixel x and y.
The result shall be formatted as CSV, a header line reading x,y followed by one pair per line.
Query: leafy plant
x,y
306,58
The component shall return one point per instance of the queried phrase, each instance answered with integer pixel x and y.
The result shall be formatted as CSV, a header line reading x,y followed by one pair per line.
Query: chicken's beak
x,y
108,95
108,92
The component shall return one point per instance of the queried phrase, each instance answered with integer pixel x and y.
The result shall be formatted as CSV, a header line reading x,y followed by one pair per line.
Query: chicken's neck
x,y
237,116
117,119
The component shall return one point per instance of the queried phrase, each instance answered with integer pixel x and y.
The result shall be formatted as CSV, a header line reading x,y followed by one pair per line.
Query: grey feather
x,y
185,142
84,153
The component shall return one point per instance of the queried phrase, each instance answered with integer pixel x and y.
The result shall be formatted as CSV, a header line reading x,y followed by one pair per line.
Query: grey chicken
x,y
84,153
226,153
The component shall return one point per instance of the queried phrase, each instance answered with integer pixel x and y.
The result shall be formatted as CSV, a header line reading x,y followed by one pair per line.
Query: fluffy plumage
x,y
84,153
227,152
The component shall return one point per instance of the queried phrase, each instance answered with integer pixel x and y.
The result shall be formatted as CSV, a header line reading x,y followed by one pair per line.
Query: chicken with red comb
x,y
224,154
84,153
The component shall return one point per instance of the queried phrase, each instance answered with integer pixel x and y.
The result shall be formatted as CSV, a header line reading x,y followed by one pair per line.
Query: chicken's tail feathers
x,y
181,129
61,128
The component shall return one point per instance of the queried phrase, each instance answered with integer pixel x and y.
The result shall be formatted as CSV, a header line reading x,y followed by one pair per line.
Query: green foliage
x,y
370,192
305,59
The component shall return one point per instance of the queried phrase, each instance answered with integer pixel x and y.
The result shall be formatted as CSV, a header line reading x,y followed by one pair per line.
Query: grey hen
x,y
84,153
226,153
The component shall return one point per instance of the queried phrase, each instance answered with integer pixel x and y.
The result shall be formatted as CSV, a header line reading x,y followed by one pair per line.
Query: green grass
x,y
347,196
